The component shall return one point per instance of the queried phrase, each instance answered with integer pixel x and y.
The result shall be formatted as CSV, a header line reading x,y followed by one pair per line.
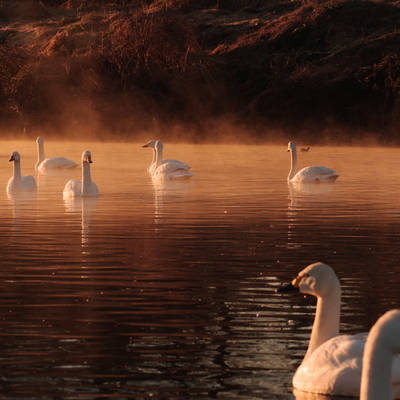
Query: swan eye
x,y
296,281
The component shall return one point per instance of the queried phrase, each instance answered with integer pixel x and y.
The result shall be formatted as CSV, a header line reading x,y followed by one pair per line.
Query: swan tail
x,y
331,178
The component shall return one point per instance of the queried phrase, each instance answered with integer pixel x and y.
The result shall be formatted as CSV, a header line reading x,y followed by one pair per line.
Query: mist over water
x,y
167,291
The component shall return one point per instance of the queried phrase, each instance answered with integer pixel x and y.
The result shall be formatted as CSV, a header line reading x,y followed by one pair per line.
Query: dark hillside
x,y
301,67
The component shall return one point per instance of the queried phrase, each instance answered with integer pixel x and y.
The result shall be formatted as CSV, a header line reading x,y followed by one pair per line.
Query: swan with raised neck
x,y
317,174
86,187
165,168
332,364
18,182
44,164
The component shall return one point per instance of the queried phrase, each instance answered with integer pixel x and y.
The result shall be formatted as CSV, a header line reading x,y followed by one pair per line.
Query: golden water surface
x,y
167,291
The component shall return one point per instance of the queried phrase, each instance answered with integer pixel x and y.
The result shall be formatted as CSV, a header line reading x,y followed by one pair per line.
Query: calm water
x,y
168,292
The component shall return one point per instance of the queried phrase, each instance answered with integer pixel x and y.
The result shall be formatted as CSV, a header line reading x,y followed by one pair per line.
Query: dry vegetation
x,y
298,66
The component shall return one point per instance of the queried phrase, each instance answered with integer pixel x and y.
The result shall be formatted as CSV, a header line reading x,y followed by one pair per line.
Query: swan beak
x,y
146,145
90,160
12,158
287,288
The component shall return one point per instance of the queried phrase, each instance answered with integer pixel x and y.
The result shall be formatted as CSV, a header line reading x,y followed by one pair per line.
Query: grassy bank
x,y
198,69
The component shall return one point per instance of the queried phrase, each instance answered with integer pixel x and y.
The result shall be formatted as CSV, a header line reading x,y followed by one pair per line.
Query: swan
x,y
382,343
18,183
165,169
86,187
332,364
44,165
308,174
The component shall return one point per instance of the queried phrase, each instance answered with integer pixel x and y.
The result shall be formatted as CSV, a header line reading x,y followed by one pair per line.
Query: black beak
x,y
287,288
145,145
90,161
11,159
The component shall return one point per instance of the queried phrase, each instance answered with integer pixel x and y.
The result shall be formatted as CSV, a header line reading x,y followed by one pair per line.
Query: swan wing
x,y
27,183
172,165
315,174
335,368
172,169
73,188
55,163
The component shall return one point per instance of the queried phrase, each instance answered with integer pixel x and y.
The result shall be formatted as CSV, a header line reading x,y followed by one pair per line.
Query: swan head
x,y
317,279
87,157
15,156
39,140
386,331
151,144
291,146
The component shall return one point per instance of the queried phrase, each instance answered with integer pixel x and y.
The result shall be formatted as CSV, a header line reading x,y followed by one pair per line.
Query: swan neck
x,y
159,155
17,170
376,379
293,164
154,156
86,177
327,319
40,149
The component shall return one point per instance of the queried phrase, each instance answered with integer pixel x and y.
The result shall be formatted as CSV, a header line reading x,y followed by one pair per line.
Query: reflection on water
x,y
312,396
167,290
84,206
169,193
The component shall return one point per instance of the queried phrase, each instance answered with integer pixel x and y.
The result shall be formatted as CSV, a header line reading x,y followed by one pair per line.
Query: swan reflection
x,y
300,196
168,193
299,395
310,188
22,202
84,205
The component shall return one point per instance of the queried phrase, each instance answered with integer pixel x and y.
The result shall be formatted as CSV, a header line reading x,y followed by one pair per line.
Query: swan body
x,y
19,183
382,344
85,187
45,165
316,174
165,168
333,363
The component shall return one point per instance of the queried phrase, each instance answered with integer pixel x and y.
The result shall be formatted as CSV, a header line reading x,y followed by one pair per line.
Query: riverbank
x,y
195,70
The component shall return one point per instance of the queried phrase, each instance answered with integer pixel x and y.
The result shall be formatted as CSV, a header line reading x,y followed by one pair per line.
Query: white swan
x,y
18,183
332,364
382,343
44,165
166,169
86,187
308,174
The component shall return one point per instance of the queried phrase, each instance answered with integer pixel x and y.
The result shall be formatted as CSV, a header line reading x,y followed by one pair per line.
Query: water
x,y
168,292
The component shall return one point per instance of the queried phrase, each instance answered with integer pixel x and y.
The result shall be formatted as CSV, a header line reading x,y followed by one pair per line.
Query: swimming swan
x,y
332,364
382,343
308,174
18,183
86,187
165,169
44,165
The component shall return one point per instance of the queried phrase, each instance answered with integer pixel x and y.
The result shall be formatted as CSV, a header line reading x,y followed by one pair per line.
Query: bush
x,y
151,46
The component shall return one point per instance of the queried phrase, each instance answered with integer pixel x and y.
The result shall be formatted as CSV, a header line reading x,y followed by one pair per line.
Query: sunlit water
x,y
168,292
